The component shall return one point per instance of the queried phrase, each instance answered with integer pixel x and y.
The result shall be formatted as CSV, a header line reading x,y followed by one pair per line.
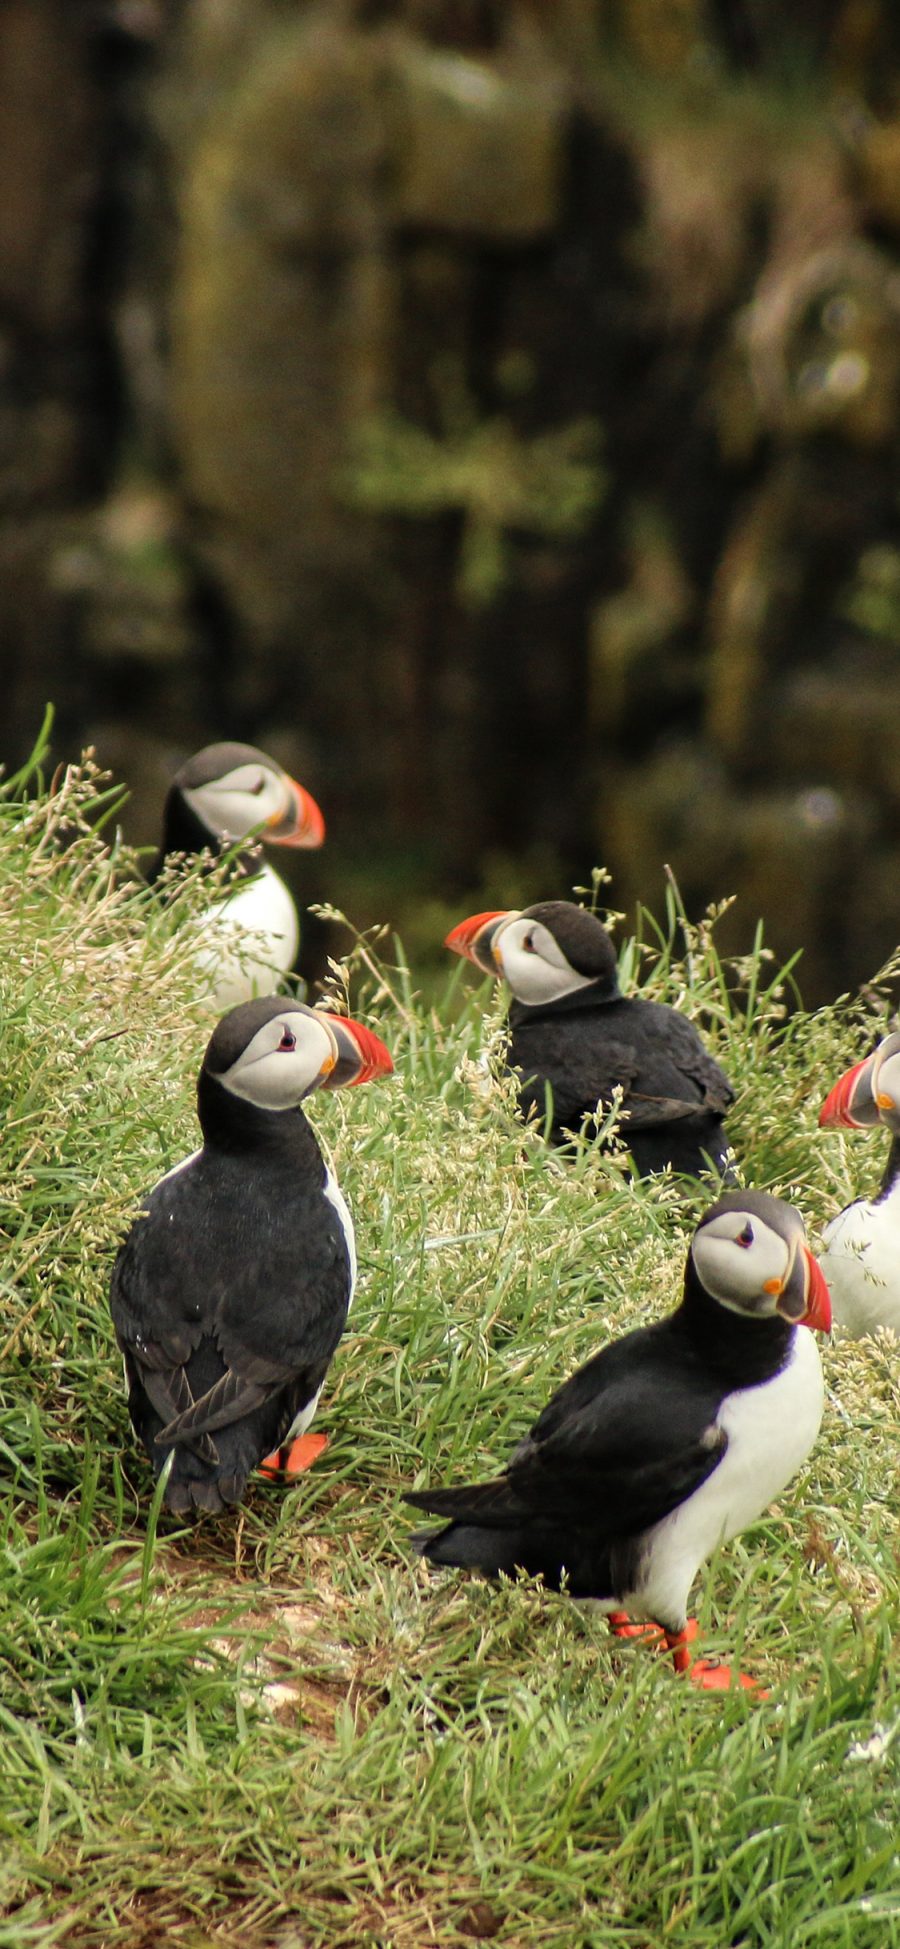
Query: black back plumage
x,y
229,1295
674,1095
627,1439
595,1040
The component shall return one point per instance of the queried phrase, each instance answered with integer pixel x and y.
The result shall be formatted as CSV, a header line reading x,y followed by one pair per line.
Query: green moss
x,y
500,482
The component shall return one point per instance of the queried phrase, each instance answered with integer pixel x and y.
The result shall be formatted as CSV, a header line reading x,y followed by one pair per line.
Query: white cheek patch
x,y
231,806
539,973
737,1275
887,1083
278,1079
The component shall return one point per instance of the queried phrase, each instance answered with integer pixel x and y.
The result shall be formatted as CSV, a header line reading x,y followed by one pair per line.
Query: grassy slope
x,y
280,1730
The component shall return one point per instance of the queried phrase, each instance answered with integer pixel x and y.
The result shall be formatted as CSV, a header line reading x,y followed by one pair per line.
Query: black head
x,y
273,1052
226,792
749,1253
216,762
545,952
580,936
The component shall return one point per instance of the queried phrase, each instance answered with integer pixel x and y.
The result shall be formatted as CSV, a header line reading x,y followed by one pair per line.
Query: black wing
x,y
158,1326
619,1446
204,1272
672,1074
651,1054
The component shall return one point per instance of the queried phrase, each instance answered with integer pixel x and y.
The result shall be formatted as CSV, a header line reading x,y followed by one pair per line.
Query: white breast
x,y
335,1196
770,1430
250,939
861,1262
302,1420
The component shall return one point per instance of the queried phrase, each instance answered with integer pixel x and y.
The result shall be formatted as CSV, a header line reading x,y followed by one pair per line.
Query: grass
x,y
278,1730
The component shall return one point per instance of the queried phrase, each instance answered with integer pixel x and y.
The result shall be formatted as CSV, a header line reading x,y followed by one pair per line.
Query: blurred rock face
x,y
281,317
492,416
48,171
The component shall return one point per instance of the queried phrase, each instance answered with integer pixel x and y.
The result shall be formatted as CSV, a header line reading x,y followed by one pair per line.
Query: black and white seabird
x,y
231,1291
668,1442
861,1258
573,1033
226,793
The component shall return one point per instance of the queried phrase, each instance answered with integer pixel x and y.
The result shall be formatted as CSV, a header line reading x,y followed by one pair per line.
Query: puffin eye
x,y
528,944
257,788
288,1039
745,1237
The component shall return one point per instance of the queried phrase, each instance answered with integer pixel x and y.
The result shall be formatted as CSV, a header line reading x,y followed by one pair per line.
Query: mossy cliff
x,y
493,408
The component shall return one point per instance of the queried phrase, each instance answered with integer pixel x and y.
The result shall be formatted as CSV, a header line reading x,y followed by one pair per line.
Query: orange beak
x,y
472,938
803,1297
361,1054
836,1109
818,1309
302,825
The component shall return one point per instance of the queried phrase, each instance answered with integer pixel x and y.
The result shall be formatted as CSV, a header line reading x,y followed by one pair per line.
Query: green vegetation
x,y
280,1729
502,484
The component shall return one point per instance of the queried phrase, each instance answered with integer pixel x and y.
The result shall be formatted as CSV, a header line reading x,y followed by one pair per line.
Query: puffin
x,y
861,1258
222,795
232,1288
668,1442
573,1036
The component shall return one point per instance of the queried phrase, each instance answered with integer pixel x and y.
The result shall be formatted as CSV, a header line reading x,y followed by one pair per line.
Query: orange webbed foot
x,y
709,1673
624,1626
679,1643
712,1676
293,1458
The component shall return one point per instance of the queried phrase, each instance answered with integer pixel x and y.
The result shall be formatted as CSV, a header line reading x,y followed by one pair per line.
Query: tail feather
x,y
493,1504
491,1533
466,1547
